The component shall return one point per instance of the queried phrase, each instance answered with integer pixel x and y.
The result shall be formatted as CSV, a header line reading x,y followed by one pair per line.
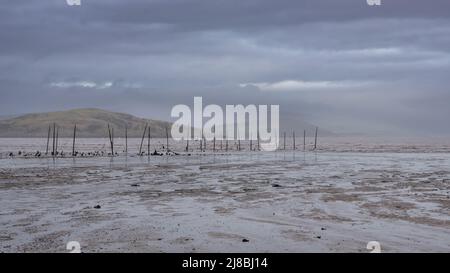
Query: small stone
x,y
319,237
245,240
97,207
276,186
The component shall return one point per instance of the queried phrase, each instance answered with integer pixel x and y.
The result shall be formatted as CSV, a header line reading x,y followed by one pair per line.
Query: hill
x,y
90,123
93,122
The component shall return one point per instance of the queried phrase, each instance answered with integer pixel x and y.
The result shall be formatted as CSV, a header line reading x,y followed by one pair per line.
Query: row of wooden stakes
x,y
53,134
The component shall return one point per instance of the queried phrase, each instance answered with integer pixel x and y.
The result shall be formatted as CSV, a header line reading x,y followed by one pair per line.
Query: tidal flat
x,y
328,200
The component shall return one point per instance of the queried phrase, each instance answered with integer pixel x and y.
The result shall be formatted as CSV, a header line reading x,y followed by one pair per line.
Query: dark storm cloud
x,y
341,64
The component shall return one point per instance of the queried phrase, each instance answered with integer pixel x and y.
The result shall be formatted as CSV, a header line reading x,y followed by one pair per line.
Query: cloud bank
x,y
342,64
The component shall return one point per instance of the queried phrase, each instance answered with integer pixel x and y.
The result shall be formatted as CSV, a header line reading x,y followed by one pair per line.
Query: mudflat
x,y
285,201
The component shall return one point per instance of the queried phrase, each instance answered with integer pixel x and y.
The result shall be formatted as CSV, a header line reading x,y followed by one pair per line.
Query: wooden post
x,y
187,145
239,141
221,144
57,138
293,139
109,136
148,141
205,143
304,140
315,139
251,143
54,139
48,139
167,139
126,140
110,140
284,142
259,148
74,136
214,139
203,149
226,145
142,140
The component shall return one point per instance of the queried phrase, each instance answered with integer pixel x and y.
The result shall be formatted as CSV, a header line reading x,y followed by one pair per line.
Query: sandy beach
x,y
285,201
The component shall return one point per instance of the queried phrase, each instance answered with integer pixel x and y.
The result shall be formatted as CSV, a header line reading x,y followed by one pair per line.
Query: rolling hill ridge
x,y
90,122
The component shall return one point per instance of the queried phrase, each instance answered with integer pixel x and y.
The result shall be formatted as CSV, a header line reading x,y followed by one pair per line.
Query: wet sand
x,y
280,202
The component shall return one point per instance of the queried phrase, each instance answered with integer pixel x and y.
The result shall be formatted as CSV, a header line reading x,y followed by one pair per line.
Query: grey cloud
x,y
382,67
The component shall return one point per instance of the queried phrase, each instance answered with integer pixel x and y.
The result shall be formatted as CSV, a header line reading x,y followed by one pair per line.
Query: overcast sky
x,y
340,64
